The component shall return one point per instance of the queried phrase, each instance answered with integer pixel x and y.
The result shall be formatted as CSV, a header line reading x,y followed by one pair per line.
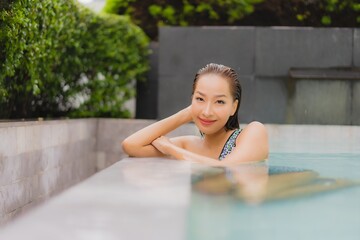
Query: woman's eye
x,y
220,101
199,99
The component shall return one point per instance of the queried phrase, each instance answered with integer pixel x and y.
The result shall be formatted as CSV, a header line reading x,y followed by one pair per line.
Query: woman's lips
x,y
206,122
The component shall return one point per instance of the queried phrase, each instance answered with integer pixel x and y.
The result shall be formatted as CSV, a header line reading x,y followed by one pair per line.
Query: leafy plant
x,y
151,14
60,59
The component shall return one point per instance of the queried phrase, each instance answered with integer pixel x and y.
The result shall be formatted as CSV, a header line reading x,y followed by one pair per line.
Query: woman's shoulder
x,y
255,126
255,130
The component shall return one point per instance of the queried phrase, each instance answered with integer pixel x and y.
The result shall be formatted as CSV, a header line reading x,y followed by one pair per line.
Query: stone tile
x,y
248,99
32,138
48,181
185,50
2,203
55,156
112,158
356,47
109,145
100,160
116,131
10,167
46,136
16,168
309,105
22,142
231,46
38,135
8,141
146,91
61,134
172,51
174,93
280,48
17,194
271,100
355,114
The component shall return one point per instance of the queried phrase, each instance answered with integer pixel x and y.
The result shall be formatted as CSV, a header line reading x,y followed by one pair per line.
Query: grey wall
x,y
146,100
262,56
39,159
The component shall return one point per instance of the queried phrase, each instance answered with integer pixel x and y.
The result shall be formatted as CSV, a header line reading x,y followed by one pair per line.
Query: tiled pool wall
x,y
39,159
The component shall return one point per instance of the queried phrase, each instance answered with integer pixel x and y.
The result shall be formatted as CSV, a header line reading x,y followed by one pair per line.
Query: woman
x,y
214,110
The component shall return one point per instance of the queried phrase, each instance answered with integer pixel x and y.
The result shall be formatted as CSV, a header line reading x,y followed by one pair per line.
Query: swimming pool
x,y
331,155
152,198
334,214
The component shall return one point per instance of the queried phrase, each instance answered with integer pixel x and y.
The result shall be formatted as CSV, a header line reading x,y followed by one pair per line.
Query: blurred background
x,y
298,60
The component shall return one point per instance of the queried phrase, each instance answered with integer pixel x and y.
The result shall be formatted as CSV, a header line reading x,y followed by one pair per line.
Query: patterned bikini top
x,y
230,144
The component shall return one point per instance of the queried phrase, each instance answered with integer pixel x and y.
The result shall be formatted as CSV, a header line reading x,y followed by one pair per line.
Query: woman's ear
x,y
235,104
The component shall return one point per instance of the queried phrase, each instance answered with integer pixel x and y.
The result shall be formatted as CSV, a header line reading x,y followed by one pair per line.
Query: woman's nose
x,y
207,111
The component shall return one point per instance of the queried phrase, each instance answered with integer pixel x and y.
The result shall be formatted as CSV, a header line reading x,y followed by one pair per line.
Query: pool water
x,y
293,196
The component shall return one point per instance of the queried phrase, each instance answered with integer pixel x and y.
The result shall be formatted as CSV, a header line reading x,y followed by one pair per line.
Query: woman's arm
x,y
139,143
252,146
168,148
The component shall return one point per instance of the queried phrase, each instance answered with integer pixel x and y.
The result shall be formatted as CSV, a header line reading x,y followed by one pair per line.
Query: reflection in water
x,y
257,183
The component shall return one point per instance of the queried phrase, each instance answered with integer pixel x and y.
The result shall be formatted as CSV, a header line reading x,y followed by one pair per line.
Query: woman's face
x,y
212,103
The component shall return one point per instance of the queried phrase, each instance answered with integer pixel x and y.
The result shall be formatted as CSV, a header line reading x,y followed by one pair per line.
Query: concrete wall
x,y
39,159
147,91
262,56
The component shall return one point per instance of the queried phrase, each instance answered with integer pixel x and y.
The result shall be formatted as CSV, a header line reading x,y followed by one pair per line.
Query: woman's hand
x,y
139,144
163,144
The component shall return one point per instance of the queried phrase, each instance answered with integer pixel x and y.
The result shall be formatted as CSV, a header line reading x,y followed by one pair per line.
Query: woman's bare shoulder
x,y
254,137
254,133
255,127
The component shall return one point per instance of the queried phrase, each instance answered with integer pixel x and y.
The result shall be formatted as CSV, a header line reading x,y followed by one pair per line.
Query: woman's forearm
x,y
183,154
139,143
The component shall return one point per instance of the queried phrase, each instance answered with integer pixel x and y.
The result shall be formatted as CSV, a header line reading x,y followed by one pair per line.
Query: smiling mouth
x,y
206,122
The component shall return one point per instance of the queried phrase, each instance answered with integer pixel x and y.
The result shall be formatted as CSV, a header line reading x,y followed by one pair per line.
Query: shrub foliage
x,y
153,13
60,59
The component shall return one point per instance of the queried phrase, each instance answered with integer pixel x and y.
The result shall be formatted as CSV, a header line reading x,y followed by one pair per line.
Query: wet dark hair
x,y
235,88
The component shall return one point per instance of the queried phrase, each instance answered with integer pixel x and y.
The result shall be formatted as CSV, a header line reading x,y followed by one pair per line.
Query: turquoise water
x,y
311,213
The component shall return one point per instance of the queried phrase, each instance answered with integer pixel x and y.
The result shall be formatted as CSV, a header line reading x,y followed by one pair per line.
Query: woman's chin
x,y
207,130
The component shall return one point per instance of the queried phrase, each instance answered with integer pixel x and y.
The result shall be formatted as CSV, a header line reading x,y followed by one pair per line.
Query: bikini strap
x,y
230,144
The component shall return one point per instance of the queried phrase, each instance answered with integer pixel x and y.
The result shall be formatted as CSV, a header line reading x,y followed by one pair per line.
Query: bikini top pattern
x,y
230,144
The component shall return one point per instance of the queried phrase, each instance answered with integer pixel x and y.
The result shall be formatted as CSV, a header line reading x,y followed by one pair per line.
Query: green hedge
x,y
153,13
60,59
320,13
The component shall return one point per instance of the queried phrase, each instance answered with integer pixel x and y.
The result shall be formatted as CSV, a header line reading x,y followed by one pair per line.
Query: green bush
x,y
60,59
153,13
321,13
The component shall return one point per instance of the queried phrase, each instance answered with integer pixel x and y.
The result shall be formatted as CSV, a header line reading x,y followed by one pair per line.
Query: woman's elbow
x,y
127,147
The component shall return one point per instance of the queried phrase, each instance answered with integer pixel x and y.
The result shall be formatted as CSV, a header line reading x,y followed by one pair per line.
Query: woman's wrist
x,y
185,115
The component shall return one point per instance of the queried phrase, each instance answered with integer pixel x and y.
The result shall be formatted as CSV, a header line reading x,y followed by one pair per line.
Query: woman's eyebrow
x,y
217,96
200,93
